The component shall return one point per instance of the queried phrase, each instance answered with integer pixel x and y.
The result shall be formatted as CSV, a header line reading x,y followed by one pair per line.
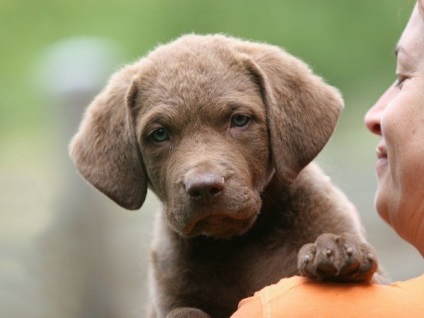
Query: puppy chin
x,y
219,226
230,216
214,223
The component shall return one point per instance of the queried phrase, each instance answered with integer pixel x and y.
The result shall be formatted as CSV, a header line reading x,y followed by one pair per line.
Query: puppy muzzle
x,y
213,203
204,188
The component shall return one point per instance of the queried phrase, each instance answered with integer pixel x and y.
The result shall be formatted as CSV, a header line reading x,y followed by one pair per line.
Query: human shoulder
x,y
302,297
414,285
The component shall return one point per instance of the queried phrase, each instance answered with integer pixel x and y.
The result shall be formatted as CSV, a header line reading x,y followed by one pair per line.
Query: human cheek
x,y
403,133
387,168
402,121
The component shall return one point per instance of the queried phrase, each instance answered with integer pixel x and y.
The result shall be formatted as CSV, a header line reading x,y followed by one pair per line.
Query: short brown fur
x,y
239,199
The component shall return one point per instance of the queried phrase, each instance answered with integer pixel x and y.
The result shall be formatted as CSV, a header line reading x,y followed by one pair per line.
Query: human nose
x,y
373,119
375,113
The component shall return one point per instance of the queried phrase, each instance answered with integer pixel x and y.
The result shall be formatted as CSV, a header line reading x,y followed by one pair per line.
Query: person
x,y
398,118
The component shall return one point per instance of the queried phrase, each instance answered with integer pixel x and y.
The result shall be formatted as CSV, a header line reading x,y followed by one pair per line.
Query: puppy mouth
x,y
220,225
226,213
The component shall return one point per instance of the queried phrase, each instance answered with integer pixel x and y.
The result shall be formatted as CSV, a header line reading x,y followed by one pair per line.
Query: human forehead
x,y
410,48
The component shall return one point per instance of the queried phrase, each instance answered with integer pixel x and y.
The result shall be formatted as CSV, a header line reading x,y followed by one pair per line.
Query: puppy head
x,y
302,109
205,121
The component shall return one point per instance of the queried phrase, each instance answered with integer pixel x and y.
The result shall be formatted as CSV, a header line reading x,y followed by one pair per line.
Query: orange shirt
x,y
301,297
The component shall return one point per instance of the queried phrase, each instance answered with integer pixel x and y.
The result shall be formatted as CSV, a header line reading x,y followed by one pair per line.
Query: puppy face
x,y
204,140
205,121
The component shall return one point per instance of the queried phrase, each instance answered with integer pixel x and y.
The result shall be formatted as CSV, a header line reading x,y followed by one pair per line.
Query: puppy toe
x,y
342,258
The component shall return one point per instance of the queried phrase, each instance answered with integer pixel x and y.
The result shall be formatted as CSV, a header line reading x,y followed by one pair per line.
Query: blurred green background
x,y
58,258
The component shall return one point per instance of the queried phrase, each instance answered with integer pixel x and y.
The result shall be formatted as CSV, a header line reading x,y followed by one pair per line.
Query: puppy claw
x,y
307,259
342,258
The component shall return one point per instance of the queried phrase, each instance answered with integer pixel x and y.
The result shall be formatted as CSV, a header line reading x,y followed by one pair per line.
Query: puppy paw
x,y
340,258
187,312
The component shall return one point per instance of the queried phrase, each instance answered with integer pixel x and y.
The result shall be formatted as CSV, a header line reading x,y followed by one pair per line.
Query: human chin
x,y
382,169
381,199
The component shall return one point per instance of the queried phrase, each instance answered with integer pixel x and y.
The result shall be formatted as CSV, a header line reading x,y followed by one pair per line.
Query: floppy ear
x,y
302,110
105,149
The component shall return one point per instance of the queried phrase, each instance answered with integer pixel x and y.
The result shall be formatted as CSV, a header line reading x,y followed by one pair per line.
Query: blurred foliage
x,y
350,43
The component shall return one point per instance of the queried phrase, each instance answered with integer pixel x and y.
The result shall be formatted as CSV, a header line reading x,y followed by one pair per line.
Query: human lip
x,y
381,152
382,158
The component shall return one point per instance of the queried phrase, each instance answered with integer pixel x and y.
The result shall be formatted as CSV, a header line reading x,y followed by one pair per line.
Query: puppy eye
x,y
239,120
160,135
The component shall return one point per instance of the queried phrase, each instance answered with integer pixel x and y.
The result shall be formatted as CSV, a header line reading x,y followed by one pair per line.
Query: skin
x,y
398,118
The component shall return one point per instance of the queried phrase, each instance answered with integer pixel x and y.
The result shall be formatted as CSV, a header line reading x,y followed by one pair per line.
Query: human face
x,y
398,118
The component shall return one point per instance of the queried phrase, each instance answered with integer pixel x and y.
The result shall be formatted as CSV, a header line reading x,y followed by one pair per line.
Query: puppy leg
x,y
340,258
187,312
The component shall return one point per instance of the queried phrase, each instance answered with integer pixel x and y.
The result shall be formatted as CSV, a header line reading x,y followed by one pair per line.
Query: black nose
x,y
205,186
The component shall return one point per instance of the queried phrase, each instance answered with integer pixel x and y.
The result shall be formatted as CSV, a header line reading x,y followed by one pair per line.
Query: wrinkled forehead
x,y
195,72
411,43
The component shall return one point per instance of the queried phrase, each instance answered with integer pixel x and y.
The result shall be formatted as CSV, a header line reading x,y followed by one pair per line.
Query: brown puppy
x,y
223,131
